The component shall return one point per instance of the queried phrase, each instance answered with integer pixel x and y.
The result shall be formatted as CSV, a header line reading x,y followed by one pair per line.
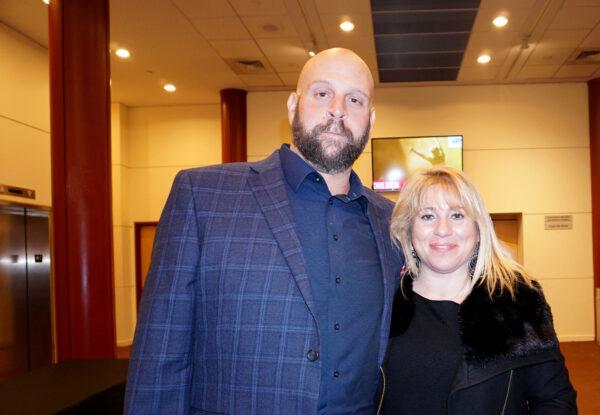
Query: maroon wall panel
x,y
81,179
233,125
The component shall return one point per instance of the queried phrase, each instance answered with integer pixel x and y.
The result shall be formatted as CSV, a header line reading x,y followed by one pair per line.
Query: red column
x,y
81,179
233,125
594,110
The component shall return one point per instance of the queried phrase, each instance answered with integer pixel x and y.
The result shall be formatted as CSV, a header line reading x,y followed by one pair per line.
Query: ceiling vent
x,y
249,66
588,56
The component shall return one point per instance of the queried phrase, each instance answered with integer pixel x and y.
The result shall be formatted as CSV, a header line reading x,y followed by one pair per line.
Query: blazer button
x,y
312,355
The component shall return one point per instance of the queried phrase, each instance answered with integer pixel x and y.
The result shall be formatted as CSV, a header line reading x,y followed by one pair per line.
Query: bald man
x,y
271,283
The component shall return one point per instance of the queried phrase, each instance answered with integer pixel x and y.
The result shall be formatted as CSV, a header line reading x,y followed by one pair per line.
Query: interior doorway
x,y
144,240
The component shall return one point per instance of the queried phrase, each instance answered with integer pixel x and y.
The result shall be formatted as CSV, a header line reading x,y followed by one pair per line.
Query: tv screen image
x,y
394,159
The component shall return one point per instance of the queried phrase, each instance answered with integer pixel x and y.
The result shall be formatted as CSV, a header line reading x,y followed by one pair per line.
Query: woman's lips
x,y
442,247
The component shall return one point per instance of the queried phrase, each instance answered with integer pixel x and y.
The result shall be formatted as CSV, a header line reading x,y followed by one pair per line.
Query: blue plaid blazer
x,y
227,315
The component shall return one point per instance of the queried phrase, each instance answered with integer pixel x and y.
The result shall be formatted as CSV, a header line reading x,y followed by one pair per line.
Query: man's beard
x,y
314,151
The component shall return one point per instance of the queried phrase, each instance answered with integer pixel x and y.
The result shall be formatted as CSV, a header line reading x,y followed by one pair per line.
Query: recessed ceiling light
x,y
311,53
500,21
347,26
484,59
122,53
46,1
169,88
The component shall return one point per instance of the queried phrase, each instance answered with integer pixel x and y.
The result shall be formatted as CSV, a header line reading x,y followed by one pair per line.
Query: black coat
x,y
512,363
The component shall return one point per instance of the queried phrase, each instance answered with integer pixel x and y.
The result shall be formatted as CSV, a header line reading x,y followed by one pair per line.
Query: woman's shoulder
x,y
503,324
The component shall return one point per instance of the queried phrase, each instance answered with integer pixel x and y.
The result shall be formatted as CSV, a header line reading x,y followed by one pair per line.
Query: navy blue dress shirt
x,y
343,266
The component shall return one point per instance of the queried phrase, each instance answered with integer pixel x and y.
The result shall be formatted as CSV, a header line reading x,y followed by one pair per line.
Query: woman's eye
x,y
457,215
427,216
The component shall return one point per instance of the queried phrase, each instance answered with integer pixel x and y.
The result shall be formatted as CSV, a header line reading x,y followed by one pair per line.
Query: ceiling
x,y
192,43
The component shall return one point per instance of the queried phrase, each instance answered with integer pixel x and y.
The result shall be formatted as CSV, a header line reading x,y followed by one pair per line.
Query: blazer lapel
x,y
389,268
268,185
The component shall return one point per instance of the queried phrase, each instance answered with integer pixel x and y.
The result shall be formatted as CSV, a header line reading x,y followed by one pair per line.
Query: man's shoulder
x,y
228,171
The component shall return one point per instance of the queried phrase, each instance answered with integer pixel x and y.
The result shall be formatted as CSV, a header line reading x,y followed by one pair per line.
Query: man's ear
x,y
372,116
292,104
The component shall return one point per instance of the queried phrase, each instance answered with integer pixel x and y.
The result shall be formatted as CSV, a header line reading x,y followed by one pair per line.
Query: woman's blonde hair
x,y
494,267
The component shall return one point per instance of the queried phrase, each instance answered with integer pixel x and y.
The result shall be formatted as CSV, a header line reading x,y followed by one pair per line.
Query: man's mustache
x,y
334,125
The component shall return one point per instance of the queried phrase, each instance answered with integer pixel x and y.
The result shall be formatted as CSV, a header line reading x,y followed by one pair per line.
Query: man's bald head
x,y
339,63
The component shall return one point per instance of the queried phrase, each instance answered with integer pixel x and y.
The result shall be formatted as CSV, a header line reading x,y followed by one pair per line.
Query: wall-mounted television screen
x,y
394,159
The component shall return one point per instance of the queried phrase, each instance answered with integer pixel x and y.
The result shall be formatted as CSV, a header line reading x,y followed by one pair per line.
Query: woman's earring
x,y
413,253
473,260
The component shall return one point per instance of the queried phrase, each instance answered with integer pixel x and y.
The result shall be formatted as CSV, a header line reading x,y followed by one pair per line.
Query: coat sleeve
x,y
160,367
548,389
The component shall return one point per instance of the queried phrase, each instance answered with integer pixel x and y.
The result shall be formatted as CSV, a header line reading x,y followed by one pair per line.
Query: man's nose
x,y
337,108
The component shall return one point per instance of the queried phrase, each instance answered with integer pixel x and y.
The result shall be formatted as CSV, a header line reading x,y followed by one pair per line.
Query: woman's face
x,y
443,236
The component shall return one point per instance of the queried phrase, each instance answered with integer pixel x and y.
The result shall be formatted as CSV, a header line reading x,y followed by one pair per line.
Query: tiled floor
x,y
583,362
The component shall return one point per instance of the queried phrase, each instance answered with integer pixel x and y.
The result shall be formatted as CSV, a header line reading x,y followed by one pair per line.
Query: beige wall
x,y
24,117
150,145
526,148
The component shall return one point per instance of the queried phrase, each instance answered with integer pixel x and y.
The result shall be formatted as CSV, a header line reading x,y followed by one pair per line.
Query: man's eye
x,y
355,101
321,94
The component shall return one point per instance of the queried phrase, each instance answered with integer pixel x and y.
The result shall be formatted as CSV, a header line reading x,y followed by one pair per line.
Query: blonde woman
x,y
471,331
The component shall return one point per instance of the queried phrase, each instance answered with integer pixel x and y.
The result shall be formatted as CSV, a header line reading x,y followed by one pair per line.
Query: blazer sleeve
x,y
160,367
548,389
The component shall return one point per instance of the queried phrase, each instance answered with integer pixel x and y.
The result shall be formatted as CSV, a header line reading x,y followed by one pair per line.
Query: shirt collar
x,y
296,169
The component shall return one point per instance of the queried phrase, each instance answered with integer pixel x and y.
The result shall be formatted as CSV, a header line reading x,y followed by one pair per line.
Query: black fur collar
x,y
501,327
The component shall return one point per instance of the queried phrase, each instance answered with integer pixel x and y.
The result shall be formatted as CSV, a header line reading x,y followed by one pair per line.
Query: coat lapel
x,y
390,269
268,185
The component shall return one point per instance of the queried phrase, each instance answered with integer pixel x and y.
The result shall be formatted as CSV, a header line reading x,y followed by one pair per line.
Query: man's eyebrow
x,y
327,83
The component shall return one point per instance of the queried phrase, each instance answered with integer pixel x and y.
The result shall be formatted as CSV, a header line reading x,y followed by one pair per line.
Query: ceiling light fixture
x,y
483,59
347,26
122,53
169,88
500,21
311,52
46,2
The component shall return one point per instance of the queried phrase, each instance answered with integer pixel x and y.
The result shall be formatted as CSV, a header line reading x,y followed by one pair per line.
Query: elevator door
x,y
25,320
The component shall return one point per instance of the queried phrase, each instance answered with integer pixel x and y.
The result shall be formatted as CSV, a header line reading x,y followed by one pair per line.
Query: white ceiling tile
x,y
289,78
197,9
537,71
221,28
579,3
547,55
565,38
576,71
262,27
236,48
482,40
257,7
478,73
261,80
282,47
498,56
516,14
592,40
363,24
344,6
288,63
576,18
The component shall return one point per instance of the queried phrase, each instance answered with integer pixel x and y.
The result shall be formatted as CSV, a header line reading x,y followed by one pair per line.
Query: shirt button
x,y
335,237
317,179
338,279
336,374
336,326
312,355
